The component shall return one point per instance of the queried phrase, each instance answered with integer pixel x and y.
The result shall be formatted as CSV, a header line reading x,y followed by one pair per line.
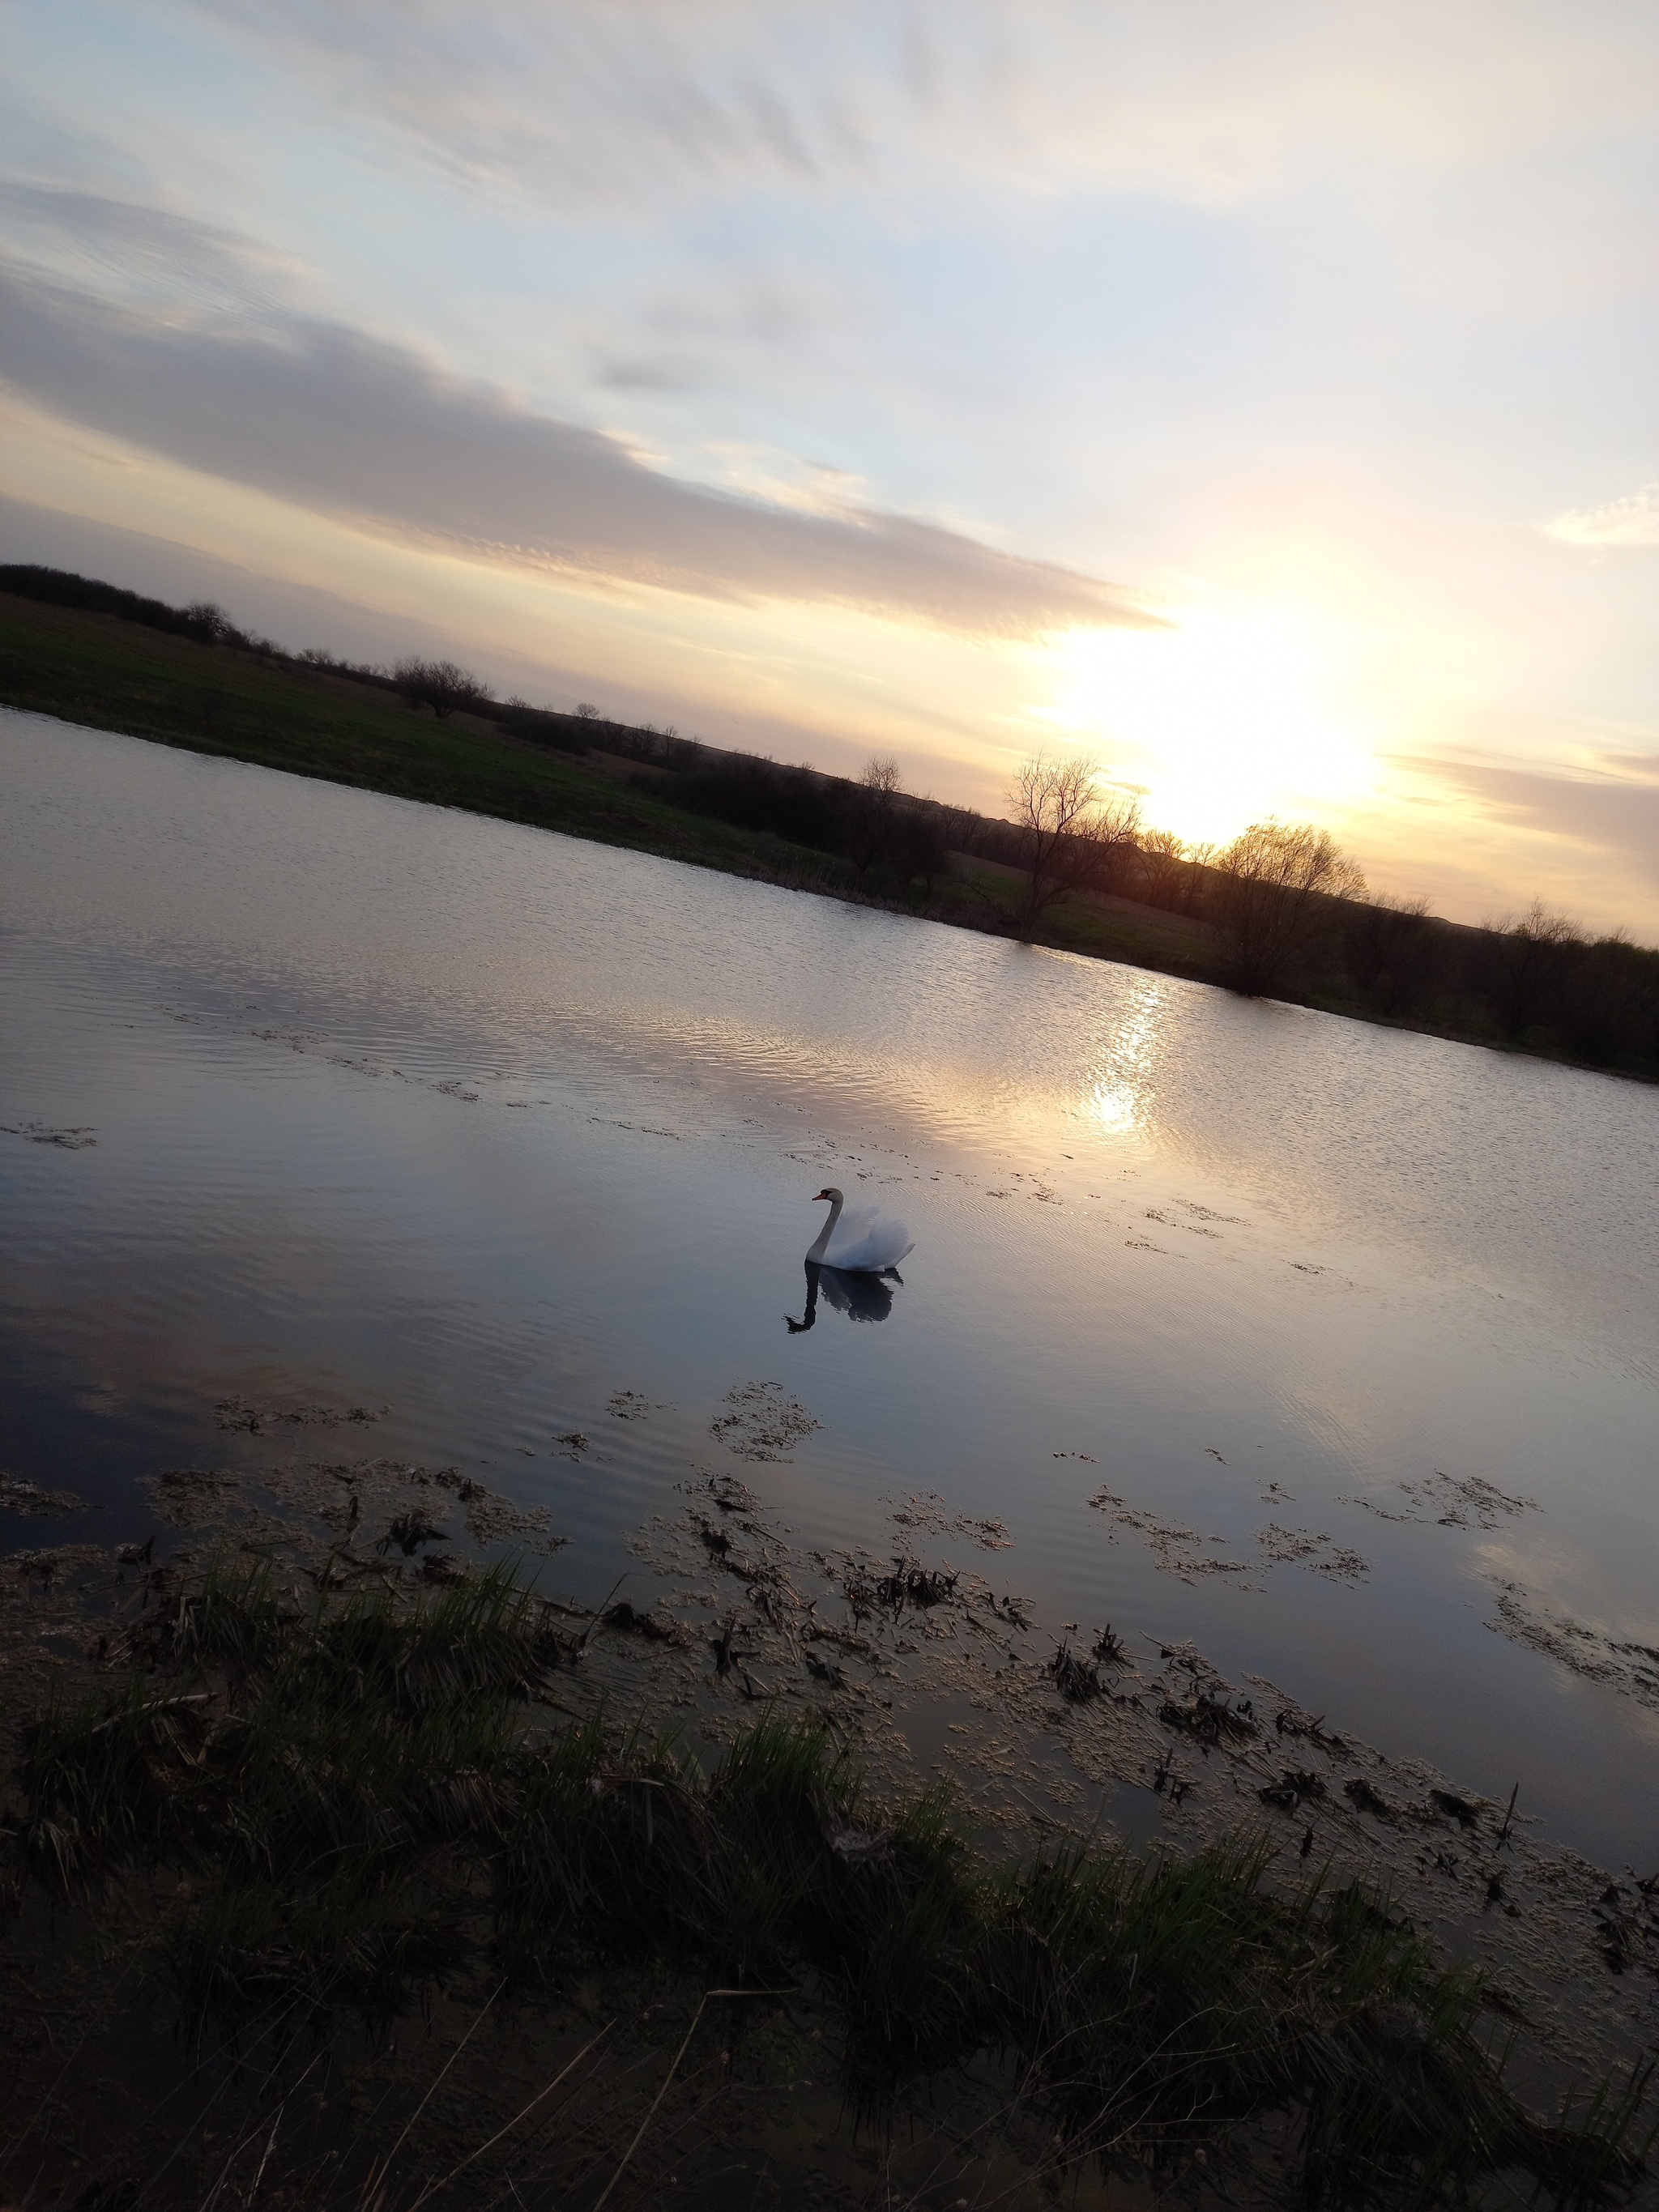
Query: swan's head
x,y
834,1197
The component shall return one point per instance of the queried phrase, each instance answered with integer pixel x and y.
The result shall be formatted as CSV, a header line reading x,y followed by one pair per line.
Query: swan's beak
x,y
817,1195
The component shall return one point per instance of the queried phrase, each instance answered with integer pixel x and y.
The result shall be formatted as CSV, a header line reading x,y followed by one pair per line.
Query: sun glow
x,y
1219,719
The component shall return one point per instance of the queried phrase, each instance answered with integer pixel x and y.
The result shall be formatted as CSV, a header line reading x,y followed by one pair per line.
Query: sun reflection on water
x,y
1120,1096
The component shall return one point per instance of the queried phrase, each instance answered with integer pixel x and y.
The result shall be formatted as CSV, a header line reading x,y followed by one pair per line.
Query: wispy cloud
x,y
1610,805
612,101
1633,520
125,250
350,425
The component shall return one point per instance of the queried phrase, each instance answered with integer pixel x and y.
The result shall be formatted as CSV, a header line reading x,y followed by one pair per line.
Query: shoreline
x,y
96,671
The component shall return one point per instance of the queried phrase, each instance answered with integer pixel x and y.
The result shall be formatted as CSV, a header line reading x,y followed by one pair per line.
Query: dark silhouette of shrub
x,y
1526,967
443,685
1396,950
61,587
1272,892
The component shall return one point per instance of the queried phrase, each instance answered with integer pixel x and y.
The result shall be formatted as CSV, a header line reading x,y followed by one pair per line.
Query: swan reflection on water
x,y
861,1296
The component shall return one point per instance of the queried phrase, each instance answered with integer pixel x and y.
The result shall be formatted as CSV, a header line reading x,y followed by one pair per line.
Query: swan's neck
x,y
827,1229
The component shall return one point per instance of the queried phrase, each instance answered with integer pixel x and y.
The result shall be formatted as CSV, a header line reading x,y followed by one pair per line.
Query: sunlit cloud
x,y
328,417
1630,521
1608,806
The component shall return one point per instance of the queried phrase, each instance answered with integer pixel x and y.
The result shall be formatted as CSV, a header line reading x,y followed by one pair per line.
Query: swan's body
x,y
864,1242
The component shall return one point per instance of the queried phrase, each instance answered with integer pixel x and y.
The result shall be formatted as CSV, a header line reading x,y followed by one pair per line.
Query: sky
x,y
1256,399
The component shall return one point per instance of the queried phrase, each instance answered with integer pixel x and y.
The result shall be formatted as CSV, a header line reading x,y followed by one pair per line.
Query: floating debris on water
x,y
1370,1799
1077,1680
1451,1502
40,1133
1294,1788
764,1422
1208,1719
727,1491
409,1531
928,1512
1301,1548
910,1583
629,1405
29,1500
237,1414
1630,1668
1176,1549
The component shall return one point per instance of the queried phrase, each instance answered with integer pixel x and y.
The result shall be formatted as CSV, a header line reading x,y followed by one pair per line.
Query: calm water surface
x,y
396,1106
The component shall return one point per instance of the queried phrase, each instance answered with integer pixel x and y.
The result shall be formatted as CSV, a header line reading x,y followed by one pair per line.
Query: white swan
x,y
865,1242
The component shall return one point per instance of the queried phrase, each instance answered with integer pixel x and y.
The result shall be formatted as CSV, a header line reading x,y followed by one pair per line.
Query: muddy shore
x,y
923,1663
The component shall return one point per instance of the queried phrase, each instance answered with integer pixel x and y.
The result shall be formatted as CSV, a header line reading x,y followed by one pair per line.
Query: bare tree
x,y
1274,884
1170,873
1162,868
874,813
1613,1007
1114,830
1394,950
1070,838
956,825
443,685
207,620
920,849
1528,964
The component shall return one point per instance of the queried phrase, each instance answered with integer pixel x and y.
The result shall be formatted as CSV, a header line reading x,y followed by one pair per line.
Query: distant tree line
x,y
1292,917
1281,911
1289,914
205,621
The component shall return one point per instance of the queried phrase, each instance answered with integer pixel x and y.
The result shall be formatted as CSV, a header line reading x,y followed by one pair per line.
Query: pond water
x,y
395,1107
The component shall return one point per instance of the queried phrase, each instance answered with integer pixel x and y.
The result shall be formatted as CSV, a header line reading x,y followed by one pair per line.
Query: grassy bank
x,y
111,675
294,1819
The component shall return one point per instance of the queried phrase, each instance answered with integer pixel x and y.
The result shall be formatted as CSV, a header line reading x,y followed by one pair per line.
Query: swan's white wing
x,y
867,1242
851,1231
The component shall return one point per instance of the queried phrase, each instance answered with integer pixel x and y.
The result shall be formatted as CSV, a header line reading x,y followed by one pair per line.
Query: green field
x,y
113,675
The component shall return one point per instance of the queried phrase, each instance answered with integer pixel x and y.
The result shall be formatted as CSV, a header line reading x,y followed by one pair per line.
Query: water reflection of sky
x,y
398,1106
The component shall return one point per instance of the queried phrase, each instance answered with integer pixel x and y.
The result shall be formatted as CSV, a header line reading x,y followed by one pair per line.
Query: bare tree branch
x,y
443,685
1274,880
1071,839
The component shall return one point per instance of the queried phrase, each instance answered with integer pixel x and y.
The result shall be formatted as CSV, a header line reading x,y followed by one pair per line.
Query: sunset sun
x,y
1219,719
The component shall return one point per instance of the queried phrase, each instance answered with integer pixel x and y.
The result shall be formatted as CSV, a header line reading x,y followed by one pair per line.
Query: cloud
x,y
302,614
1630,521
141,254
1613,808
617,101
332,419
